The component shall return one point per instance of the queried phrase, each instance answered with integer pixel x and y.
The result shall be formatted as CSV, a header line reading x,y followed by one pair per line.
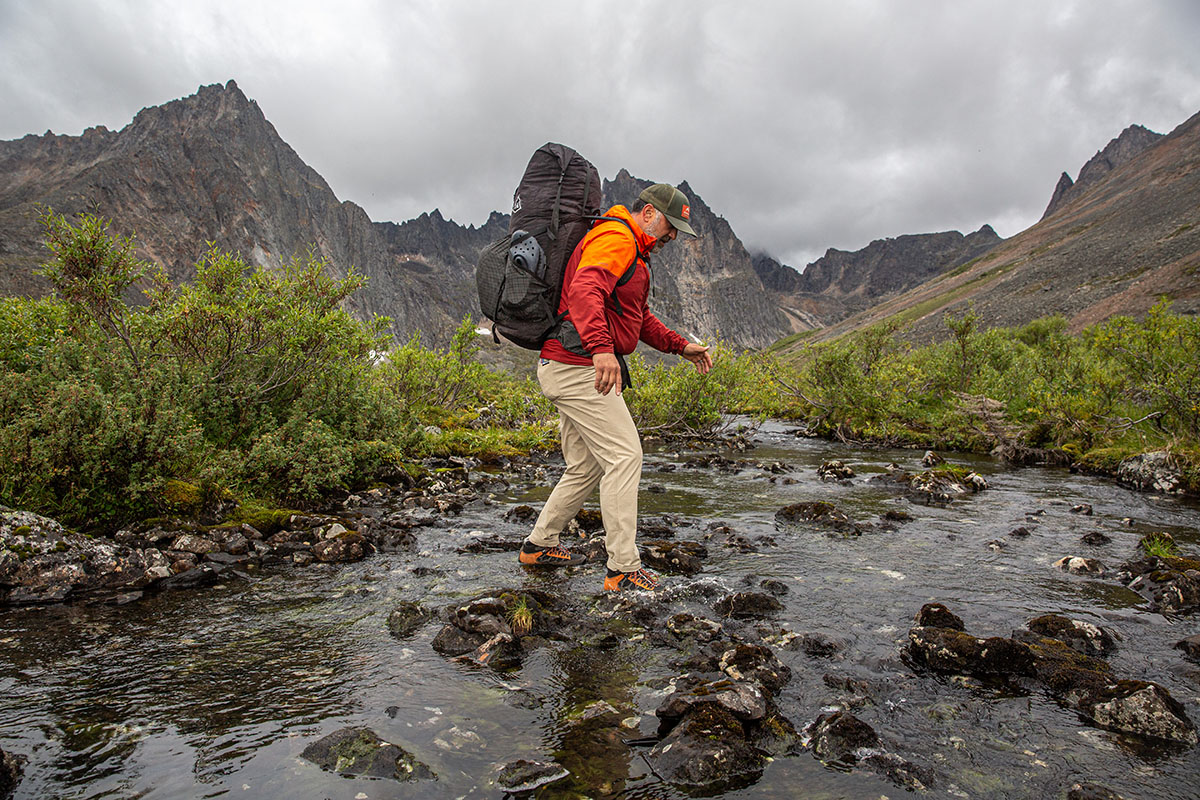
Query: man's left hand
x,y
698,354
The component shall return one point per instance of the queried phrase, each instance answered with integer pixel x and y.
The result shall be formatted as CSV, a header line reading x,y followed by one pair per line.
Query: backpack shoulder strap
x,y
632,268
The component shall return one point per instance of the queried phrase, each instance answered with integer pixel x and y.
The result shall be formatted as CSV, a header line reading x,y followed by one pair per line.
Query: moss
x,y
1105,460
182,496
24,530
264,519
1181,563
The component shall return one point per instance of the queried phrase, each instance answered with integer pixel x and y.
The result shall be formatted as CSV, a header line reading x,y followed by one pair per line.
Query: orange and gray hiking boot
x,y
556,556
642,579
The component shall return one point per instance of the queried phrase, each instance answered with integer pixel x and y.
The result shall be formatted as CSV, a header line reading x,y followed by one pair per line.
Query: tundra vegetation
x,y
124,397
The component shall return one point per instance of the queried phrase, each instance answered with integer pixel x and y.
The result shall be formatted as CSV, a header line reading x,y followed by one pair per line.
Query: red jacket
x,y
592,273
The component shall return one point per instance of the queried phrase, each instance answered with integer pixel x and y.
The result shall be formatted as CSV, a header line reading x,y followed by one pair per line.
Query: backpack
x,y
519,276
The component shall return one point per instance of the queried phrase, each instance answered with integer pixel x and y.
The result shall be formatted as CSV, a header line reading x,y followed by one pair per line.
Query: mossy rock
x,y
182,497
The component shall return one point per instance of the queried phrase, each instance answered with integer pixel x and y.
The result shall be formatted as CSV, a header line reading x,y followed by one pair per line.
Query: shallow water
x,y
215,692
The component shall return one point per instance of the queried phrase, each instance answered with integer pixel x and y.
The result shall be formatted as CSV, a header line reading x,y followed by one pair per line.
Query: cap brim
x,y
680,225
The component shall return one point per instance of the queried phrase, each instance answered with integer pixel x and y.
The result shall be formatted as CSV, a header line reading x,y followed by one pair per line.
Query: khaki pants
x,y
601,446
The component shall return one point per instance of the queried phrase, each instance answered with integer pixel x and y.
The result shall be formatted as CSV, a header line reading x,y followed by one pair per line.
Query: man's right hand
x,y
608,372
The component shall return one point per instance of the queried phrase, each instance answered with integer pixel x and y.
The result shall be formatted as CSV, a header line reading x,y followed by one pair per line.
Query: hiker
x,y
600,443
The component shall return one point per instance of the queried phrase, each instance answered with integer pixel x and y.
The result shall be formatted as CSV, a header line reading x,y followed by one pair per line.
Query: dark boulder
x,y
685,558
360,751
742,699
707,752
747,604
819,515
342,548
11,767
756,663
947,650
840,736
1141,708
936,615
407,618
1190,647
1083,637
1092,791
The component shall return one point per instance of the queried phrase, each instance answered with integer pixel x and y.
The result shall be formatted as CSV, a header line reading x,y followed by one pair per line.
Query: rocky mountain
x,y
841,283
1116,245
1120,151
212,168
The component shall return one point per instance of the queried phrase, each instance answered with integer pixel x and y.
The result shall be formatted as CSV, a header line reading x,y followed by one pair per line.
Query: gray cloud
x,y
806,125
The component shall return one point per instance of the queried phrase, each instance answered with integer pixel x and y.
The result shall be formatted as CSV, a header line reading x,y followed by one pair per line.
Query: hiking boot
x,y
533,555
642,579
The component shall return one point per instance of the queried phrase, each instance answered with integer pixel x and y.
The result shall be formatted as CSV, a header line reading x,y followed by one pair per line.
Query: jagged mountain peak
x,y
1131,142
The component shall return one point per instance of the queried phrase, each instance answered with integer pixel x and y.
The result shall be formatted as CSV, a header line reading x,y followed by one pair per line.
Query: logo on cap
x,y
687,211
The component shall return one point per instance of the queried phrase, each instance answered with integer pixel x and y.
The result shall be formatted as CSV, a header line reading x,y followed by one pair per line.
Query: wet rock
x,y
360,751
1141,708
1082,508
996,545
758,664
936,615
343,547
522,513
491,543
1079,565
11,767
818,645
1019,533
899,771
742,699
840,736
1190,647
502,651
947,650
407,618
931,459
819,514
1095,539
1151,472
452,641
747,604
589,520
707,752
1092,791
518,777
698,628
651,528
483,616
201,576
774,588
894,515
1082,637
1168,589
834,471
685,558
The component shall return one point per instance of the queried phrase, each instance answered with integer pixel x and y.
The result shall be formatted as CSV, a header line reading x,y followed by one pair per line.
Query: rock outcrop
x,y
1133,141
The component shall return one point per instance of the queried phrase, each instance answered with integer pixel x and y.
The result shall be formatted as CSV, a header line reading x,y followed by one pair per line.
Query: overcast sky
x,y
806,125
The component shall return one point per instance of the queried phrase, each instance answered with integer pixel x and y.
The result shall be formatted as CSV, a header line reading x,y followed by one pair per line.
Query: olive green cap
x,y
672,203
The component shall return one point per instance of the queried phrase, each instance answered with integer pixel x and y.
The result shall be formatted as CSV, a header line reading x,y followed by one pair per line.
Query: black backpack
x,y
519,276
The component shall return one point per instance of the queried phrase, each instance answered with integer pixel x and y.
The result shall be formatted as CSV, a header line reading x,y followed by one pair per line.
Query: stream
x,y
215,692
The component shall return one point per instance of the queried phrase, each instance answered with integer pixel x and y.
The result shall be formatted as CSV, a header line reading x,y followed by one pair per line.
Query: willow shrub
x,y
248,379
671,398
467,409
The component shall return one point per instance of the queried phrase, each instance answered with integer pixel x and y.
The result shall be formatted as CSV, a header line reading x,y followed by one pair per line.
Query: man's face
x,y
660,228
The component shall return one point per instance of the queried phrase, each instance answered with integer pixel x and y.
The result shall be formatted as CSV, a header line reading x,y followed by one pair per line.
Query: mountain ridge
x,y
210,167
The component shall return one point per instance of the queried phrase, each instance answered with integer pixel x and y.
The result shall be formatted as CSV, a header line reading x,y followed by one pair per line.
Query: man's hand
x,y
698,354
608,372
